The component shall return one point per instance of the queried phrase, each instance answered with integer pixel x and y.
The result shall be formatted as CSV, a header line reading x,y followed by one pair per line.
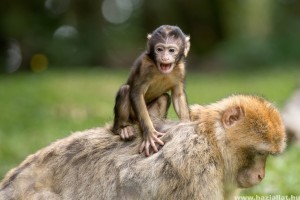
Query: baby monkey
x,y
158,70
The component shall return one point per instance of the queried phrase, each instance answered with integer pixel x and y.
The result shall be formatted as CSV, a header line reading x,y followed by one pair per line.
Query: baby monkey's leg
x,y
122,109
158,109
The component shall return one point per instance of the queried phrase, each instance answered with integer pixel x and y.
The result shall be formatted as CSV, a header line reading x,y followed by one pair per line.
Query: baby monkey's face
x,y
166,54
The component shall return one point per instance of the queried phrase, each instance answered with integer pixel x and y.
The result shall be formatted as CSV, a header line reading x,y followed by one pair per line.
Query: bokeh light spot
x,y
65,31
117,11
14,56
39,63
57,7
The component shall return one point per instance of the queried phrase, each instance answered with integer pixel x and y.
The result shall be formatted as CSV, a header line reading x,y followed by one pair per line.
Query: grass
x,y
37,109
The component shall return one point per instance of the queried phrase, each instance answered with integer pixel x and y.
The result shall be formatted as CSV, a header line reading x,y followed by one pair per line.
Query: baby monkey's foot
x,y
127,133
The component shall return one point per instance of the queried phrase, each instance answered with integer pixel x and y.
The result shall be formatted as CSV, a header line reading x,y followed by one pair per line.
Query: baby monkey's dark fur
x,y
158,70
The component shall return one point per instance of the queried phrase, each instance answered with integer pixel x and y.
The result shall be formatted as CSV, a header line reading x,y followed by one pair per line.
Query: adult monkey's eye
x,y
261,153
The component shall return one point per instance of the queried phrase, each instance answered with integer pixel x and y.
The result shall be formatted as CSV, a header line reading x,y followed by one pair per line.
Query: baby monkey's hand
x,y
150,140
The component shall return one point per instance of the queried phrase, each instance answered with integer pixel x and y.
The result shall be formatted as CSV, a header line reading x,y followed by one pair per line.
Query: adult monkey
x,y
158,70
225,147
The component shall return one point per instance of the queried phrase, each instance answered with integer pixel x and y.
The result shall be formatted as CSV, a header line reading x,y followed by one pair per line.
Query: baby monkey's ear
x,y
187,46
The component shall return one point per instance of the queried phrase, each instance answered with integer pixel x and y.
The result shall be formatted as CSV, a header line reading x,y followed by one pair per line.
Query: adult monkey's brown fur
x,y
224,148
158,70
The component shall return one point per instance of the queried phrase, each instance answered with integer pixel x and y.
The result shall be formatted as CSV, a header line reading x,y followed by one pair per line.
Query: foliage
x,y
37,109
112,32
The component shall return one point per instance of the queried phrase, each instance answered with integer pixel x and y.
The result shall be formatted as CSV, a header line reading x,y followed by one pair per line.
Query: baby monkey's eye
x,y
172,50
159,49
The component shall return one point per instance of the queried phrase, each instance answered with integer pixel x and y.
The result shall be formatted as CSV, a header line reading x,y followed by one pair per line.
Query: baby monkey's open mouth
x,y
165,67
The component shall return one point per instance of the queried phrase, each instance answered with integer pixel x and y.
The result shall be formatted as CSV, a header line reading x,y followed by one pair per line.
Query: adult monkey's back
x,y
224,148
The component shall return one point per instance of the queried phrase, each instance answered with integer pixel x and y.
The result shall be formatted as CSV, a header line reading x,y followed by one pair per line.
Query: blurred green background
x,y
62,61
238,34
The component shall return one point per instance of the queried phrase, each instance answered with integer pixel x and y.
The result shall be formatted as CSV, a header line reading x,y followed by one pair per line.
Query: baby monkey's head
x,y
167,46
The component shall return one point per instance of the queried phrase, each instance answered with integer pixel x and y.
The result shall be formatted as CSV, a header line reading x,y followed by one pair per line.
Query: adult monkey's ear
x,y
187,46
149,36
232,115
